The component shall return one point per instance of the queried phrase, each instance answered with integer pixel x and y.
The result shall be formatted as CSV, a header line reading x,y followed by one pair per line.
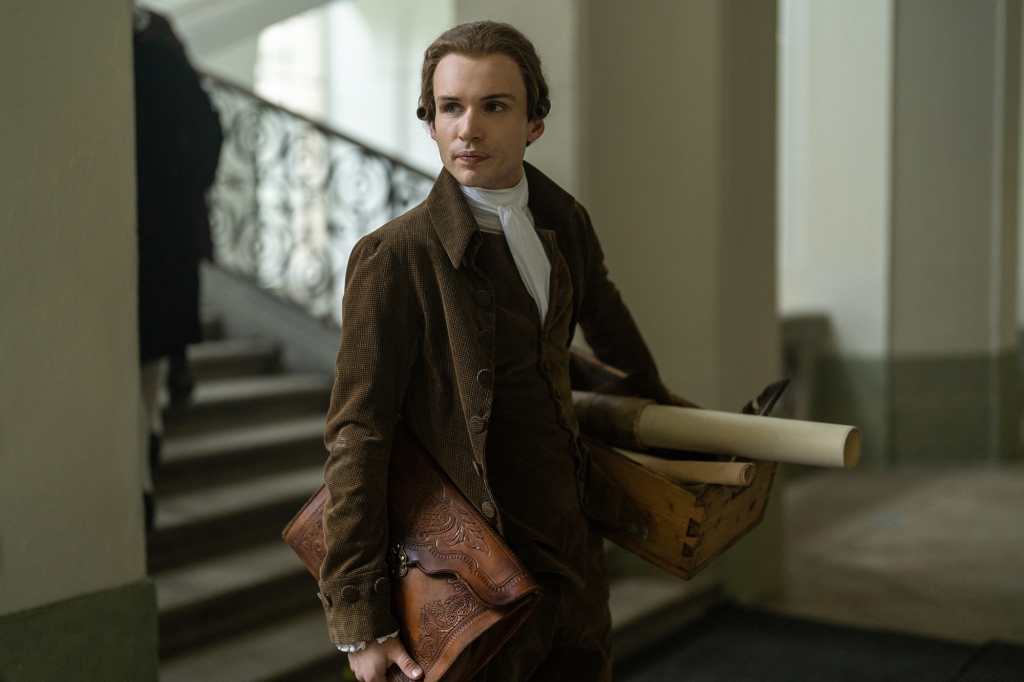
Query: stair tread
x,y
194,506
246,388
200,581
211,443
221,349
633,598
258,655
273,651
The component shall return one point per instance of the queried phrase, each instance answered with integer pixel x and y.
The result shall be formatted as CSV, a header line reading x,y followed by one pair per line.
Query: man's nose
x,y
469,128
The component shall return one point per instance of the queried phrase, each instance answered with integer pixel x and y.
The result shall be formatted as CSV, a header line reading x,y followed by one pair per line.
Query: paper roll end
x,y
851,448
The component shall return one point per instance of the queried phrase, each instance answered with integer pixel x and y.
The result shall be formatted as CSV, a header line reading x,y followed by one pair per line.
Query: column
x,y
953,374
680,182
898,209
75,602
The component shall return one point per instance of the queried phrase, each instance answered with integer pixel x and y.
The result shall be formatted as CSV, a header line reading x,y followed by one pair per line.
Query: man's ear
x,y
536,130
433,132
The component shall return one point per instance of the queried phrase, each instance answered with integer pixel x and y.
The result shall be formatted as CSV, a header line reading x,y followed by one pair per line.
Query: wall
x,y
898,217
375,55
70,483
682,185
835,92
953,376
235,62
835,189
680,138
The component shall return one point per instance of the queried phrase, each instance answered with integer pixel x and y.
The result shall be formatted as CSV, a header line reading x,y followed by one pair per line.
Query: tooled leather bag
x,y
457,589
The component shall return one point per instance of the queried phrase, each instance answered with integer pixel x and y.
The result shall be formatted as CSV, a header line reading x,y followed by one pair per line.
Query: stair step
x,y
211,324
644,609
226,403
296,649
648,608
214,599
199,524
226,358
215,457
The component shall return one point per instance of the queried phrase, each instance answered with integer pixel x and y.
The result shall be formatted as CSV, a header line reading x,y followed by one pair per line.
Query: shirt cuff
x,y
359,646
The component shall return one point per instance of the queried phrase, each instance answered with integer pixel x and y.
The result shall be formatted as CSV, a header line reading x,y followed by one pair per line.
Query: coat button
x,y
350,593
380,586
482,298
477,424
485,337
325,599
485,378
488,509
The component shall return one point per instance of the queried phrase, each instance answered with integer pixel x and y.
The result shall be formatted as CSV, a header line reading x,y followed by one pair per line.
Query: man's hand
x,y
371,664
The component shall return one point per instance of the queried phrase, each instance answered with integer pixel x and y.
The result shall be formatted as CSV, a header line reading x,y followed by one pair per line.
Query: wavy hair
x,y
478,39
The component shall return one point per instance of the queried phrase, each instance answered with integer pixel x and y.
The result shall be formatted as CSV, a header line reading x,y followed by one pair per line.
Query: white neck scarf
x,y
505,211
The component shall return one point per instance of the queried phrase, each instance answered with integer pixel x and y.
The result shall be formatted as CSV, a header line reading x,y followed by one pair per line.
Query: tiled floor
x,y
931,552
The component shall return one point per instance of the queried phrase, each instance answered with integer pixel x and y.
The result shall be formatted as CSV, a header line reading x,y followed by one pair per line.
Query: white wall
x,y
210,25
70,484
235,62
835,92
375,55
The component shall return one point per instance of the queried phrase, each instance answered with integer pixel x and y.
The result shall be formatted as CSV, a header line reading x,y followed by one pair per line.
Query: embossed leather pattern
x,y
457,590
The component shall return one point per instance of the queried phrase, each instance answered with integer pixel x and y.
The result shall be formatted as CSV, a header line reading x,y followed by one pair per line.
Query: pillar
x,y
898,211
75,602
680,182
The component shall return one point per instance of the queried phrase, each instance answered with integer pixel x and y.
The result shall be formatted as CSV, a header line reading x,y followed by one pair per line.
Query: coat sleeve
x,y
379,344
604,318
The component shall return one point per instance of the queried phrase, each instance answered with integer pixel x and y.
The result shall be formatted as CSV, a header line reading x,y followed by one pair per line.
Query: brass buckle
x,y
397,560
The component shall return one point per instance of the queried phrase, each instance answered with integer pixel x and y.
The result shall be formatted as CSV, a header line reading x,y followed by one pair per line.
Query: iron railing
x,y
292,197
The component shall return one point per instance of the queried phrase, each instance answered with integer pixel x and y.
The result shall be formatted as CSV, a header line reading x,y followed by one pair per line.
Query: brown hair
x,y
478,39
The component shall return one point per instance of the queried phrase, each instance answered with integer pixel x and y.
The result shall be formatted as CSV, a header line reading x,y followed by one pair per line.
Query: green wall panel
x,y
109,636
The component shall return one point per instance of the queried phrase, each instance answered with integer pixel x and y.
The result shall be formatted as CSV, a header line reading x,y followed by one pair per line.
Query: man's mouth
x,y
471,158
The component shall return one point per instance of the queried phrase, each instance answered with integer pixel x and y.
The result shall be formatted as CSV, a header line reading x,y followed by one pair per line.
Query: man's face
x,y
481,126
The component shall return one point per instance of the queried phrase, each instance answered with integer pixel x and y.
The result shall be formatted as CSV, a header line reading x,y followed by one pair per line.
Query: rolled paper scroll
x,y
726,433
689,471
637,424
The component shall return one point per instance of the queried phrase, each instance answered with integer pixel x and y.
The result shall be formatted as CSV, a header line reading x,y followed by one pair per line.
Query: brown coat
x,y
417,341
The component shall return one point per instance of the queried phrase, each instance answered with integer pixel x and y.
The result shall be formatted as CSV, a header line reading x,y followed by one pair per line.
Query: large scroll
x,y
637,423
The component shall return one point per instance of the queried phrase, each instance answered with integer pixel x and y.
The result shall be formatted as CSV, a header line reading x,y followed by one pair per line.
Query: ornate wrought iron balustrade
x,y
292,197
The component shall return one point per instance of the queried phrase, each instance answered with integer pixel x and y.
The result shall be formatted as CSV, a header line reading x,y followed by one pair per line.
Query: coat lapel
x,y
451,217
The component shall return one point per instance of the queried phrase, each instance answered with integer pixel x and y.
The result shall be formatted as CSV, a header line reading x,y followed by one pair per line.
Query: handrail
x,y
318,125
292,197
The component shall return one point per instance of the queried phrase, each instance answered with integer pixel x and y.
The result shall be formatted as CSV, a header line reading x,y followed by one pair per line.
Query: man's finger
x,y
408,666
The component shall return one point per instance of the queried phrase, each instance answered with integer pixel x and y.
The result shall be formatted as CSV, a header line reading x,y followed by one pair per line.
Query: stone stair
x,y
235,604
238,461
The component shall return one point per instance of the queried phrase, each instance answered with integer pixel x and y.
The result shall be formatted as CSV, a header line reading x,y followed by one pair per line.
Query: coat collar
x,y
551,206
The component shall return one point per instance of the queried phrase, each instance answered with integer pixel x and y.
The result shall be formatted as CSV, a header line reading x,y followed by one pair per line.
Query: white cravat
x,y
506,211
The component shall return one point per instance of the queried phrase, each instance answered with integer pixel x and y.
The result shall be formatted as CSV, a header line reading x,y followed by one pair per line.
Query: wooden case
x,y
688,526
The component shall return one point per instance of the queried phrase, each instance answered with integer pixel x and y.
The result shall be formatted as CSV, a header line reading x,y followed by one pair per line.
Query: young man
x,y
457,319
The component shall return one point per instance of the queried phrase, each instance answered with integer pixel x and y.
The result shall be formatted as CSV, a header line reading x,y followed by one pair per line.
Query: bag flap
x,y
442,532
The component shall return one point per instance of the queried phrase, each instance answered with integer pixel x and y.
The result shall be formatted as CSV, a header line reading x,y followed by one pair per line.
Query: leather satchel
x,y
457,589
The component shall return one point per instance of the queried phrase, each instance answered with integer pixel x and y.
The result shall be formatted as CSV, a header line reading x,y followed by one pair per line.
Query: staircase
x,y
235,604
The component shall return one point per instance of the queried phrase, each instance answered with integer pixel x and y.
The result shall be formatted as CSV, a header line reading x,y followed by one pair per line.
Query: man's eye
x,y
449,108
495,106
